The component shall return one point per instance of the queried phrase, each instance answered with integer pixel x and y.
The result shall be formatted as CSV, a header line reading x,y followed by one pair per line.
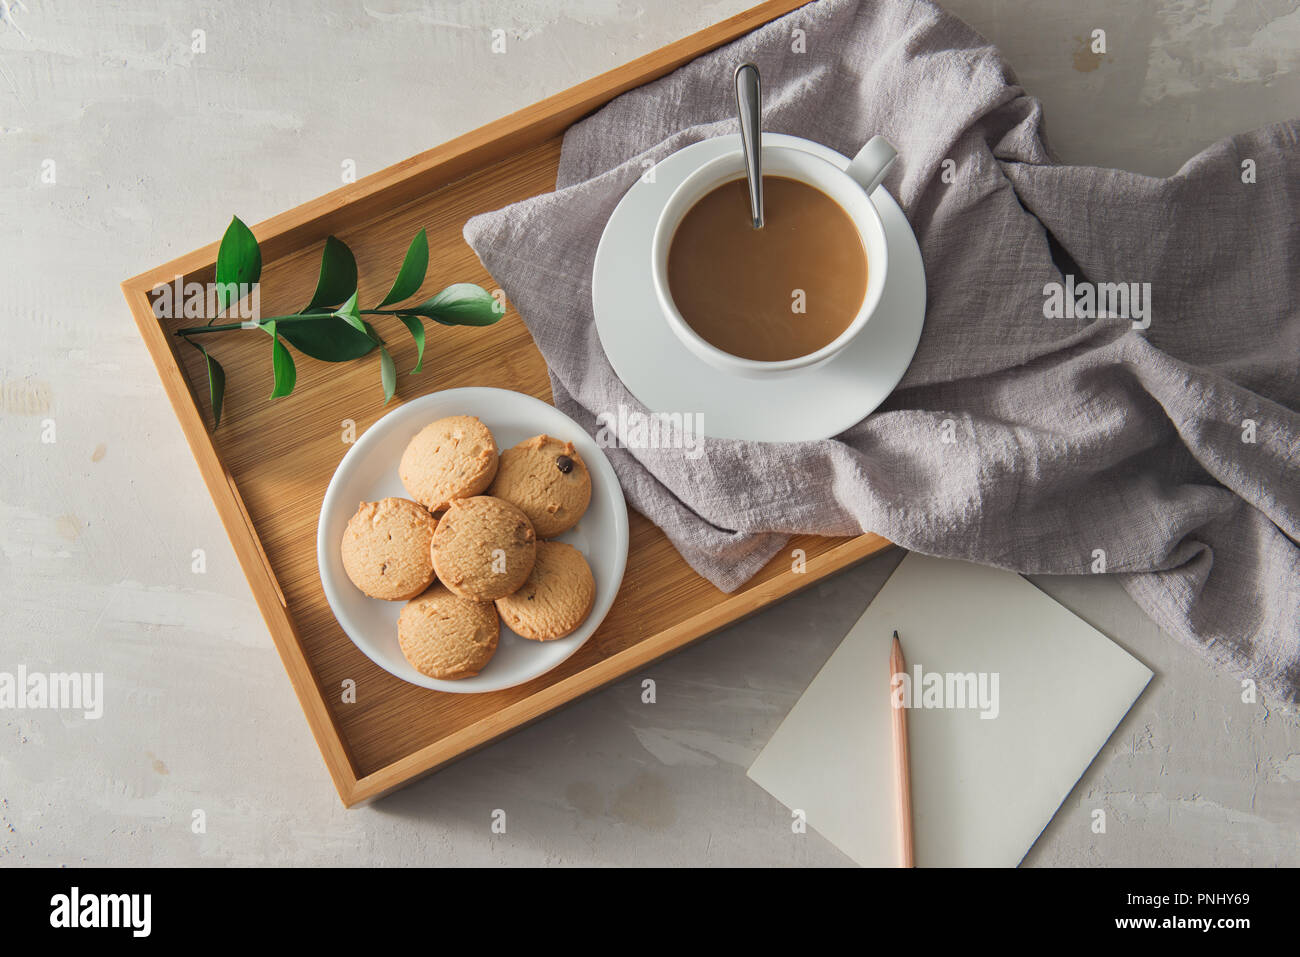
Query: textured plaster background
x,y
155,146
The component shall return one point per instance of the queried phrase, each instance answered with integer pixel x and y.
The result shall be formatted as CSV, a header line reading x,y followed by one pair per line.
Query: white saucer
x,y
368,472
666,377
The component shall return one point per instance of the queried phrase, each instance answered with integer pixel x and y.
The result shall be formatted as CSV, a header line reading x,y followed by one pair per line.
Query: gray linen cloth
x,y
1165,456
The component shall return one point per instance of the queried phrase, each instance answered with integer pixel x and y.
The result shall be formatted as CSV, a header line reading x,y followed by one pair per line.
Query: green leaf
x,y
216,383
282,363
329,339
416,326
239,262
460,304
387,374
338,275
349,314
411,277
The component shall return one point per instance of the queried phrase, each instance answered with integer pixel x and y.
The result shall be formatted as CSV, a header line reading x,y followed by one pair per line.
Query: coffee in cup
x,y
778,292
792,294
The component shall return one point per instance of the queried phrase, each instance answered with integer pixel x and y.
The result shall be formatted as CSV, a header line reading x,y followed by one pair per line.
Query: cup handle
x,y
872,163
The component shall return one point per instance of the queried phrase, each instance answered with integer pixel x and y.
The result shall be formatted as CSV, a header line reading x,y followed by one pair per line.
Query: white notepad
x,y
982,788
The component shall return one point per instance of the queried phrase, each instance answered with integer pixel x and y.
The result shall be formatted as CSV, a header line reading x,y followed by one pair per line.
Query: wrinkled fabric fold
x,y
1162,449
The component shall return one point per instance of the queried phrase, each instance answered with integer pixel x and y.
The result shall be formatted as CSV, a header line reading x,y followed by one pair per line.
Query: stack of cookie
x,y
471,550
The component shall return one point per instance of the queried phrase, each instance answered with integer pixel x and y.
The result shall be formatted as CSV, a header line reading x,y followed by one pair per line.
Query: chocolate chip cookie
x,y
386,549
444,636
451,458
483,548
547,480
556,598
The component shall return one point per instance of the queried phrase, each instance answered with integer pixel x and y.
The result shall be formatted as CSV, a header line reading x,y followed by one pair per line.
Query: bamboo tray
x,y
268,465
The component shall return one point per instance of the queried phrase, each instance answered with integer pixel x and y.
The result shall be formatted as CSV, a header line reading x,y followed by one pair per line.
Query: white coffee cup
x,y
850,189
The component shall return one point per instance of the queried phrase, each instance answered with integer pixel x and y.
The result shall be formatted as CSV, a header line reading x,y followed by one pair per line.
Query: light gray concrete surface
x,y
154,146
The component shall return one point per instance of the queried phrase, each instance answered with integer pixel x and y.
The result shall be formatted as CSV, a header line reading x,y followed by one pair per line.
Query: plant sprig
x,y
330,327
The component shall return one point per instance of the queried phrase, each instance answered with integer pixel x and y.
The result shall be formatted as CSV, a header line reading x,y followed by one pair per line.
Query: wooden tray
x,y
268,465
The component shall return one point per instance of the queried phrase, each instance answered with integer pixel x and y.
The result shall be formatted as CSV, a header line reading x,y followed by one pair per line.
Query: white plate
x,y
369,472
666,377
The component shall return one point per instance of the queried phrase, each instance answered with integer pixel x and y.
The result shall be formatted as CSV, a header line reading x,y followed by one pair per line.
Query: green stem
x,y
228,326
292,317
199,330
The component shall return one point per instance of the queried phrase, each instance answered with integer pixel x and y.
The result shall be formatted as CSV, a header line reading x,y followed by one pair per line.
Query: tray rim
x,y
311,222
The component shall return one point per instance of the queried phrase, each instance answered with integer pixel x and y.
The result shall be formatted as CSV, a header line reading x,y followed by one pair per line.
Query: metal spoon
x,y
749,104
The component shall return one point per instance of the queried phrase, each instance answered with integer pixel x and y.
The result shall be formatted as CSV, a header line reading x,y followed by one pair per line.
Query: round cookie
x,y
451,458
556,598
549,482
386,549
483,548
444,636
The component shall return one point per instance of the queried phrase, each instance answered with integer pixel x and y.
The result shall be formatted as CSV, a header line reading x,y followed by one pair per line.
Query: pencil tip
x,y
896,634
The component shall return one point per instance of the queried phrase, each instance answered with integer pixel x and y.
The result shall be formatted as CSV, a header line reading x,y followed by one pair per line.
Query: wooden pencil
x,y
902,771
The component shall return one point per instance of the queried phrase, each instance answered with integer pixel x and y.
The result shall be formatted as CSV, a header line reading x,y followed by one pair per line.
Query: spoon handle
x,y
749,103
